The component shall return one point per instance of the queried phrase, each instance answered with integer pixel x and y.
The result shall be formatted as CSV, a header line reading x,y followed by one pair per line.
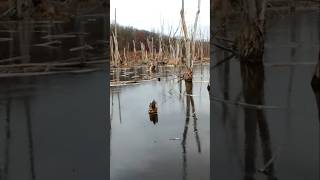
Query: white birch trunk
x,y
134,50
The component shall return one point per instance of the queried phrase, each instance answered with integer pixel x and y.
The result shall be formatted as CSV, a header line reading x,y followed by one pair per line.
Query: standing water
x,y
53,127
174,144
265,122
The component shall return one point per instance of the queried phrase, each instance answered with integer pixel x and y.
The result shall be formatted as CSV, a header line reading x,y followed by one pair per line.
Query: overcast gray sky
x,y
148,14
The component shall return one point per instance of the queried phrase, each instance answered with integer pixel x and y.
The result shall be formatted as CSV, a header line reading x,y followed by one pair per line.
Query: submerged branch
x,y
289,64
226,49
52,64
223,61
10,75
12,59
223,39
253,106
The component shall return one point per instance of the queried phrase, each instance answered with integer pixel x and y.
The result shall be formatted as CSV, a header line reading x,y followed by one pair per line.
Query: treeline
x,y
127,35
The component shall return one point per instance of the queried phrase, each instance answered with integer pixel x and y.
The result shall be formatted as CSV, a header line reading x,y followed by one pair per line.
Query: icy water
x,y
172,145
53,127
282,136
52,41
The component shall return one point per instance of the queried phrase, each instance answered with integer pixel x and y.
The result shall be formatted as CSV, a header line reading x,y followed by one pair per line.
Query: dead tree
x,y
143,53
194,33
125,56
152,53
115,42
150,47
111,51
160,53
134,49
188,43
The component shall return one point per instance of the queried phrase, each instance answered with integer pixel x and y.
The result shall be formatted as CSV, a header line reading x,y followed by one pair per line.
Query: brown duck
x,y
153,107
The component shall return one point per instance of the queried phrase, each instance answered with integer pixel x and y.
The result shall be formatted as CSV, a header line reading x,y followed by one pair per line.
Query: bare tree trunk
x,y
189,44
177,55
142,52
150,47
152,54
134,50
111,51
125,56
160,48
115,41
194,34
186,55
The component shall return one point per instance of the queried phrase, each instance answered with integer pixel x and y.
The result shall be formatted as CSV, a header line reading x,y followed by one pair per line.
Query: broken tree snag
x,y
160,47
143,54
150,47
250,41
152,54
134,50
187,75
125,57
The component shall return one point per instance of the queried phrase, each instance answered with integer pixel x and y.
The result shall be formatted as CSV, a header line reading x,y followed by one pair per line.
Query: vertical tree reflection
x,y
189,102
8,165
4,173
255,121
30,137
185,131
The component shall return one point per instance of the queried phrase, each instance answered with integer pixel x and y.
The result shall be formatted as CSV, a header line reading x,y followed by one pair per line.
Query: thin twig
x,y
223,61
226,49
253,106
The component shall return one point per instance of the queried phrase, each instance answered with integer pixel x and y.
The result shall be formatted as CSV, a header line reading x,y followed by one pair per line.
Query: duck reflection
x,y
189,102
153,118
255,121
